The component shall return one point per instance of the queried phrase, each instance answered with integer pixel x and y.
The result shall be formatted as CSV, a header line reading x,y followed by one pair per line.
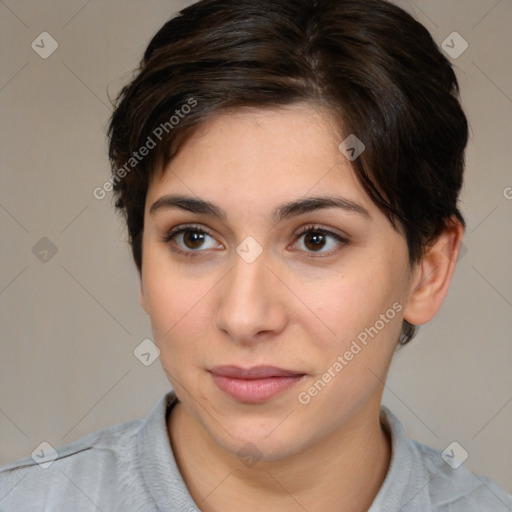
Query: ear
x,y
433,274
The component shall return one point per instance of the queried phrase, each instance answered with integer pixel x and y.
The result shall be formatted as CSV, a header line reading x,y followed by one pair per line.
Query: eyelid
x,y
169,237
317,228
320,229
184,227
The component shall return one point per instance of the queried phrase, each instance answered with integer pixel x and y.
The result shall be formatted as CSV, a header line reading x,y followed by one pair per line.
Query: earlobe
x,y
433,274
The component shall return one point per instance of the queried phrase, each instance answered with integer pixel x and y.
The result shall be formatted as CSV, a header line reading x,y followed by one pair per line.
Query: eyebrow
x,y
282,212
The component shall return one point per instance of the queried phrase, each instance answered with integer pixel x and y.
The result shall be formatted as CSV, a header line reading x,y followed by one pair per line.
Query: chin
x,y
252,450
258,439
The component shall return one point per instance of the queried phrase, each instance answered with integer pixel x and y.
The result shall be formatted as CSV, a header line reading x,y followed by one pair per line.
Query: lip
x,y
256,372
254,385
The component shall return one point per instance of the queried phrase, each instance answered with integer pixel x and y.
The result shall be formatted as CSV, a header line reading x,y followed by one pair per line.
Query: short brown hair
x,y
367,61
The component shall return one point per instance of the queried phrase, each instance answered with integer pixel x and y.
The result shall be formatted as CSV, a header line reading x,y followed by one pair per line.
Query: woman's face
x,y
260,285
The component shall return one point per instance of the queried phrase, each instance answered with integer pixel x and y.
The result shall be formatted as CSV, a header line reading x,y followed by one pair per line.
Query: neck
x,y
343,471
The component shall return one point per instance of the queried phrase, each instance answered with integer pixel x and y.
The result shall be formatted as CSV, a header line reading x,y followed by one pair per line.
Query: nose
x,y
251,305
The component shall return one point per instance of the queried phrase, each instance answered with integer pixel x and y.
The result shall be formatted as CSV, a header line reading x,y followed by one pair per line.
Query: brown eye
x,y
193,239
190,239
314,241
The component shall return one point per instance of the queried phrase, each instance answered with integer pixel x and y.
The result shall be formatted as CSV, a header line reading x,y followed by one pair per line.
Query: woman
x,y
289,173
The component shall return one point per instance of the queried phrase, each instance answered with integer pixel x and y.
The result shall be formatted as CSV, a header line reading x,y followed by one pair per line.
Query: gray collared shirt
x,y
131,468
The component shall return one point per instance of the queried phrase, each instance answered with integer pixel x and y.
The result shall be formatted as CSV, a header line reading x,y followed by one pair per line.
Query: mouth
x,y
254,385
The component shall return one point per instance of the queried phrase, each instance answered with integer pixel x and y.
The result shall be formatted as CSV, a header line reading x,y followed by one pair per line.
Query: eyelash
x,y
312,228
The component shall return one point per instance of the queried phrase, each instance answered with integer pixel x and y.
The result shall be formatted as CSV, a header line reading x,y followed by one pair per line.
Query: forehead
x,y
253,156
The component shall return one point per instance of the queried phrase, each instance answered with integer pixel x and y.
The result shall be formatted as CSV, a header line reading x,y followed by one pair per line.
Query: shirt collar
x,y
160,471
403,485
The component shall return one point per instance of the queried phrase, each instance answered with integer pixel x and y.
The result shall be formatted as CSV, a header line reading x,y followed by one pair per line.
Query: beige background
x,y
70,324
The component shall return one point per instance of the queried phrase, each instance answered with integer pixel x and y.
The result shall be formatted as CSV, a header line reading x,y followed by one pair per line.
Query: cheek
x,y
362,308
352,362
351,302
174,301
174,308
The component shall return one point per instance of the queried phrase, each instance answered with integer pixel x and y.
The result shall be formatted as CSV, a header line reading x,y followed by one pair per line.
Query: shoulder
x,y
106,443
422,478
72,474
112,438
455,488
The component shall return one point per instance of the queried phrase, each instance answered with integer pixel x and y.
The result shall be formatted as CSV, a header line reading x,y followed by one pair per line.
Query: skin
x,y
298,306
